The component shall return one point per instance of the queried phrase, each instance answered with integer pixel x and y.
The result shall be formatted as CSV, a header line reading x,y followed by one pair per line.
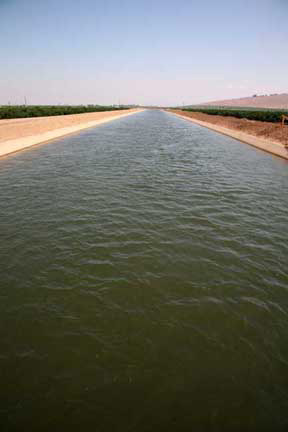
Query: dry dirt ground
x,y
265,130
278,101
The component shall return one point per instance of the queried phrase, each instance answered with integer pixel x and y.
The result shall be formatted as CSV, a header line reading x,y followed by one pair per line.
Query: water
x,y
144,282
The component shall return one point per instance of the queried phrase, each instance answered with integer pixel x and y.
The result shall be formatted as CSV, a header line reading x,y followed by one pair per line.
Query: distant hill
x,y
277,101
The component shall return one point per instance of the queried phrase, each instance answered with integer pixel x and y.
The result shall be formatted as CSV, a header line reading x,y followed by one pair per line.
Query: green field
x,y
265,115
22,111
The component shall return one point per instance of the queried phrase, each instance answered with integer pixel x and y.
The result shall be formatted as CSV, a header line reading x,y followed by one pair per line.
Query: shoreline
x,y
11,146
272,147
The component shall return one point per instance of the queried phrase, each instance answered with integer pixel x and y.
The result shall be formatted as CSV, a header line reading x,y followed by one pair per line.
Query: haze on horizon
x,y
135,52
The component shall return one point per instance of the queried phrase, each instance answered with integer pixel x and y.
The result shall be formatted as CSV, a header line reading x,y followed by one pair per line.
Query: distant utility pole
x,y
25,101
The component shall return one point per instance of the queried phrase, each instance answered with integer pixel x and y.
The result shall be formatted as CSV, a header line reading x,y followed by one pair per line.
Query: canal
x,y
144,282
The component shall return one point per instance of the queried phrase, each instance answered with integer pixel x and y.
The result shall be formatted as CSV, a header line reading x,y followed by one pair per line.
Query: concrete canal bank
x,y
19,134
270,146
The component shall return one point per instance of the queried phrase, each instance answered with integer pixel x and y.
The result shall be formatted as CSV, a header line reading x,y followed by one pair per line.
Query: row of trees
x,y
21,111
266,116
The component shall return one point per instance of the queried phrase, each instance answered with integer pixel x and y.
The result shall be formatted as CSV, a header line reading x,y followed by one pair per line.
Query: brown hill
x,y
278,101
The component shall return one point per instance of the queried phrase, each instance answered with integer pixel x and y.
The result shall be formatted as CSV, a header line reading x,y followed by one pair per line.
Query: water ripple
x,y
144,276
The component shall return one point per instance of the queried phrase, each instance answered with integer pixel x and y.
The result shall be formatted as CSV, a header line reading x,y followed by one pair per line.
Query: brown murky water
x,y
144,282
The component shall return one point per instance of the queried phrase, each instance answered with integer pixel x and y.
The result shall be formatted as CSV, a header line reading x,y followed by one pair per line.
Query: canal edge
x,y
10,147
265,145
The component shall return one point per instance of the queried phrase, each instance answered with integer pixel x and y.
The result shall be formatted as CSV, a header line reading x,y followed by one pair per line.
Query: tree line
x,y
22,111
265,116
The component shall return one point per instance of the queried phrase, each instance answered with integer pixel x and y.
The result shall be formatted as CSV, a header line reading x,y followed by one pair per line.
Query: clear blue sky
x,y
141,51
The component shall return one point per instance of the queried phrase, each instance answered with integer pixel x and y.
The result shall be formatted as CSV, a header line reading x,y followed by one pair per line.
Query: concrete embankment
x,y
19,134
273,147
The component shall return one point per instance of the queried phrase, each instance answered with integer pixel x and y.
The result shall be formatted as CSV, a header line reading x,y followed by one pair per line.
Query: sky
x,y
147,52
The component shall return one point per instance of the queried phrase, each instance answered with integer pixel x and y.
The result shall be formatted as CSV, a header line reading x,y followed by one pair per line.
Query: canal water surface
x,y
144,282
